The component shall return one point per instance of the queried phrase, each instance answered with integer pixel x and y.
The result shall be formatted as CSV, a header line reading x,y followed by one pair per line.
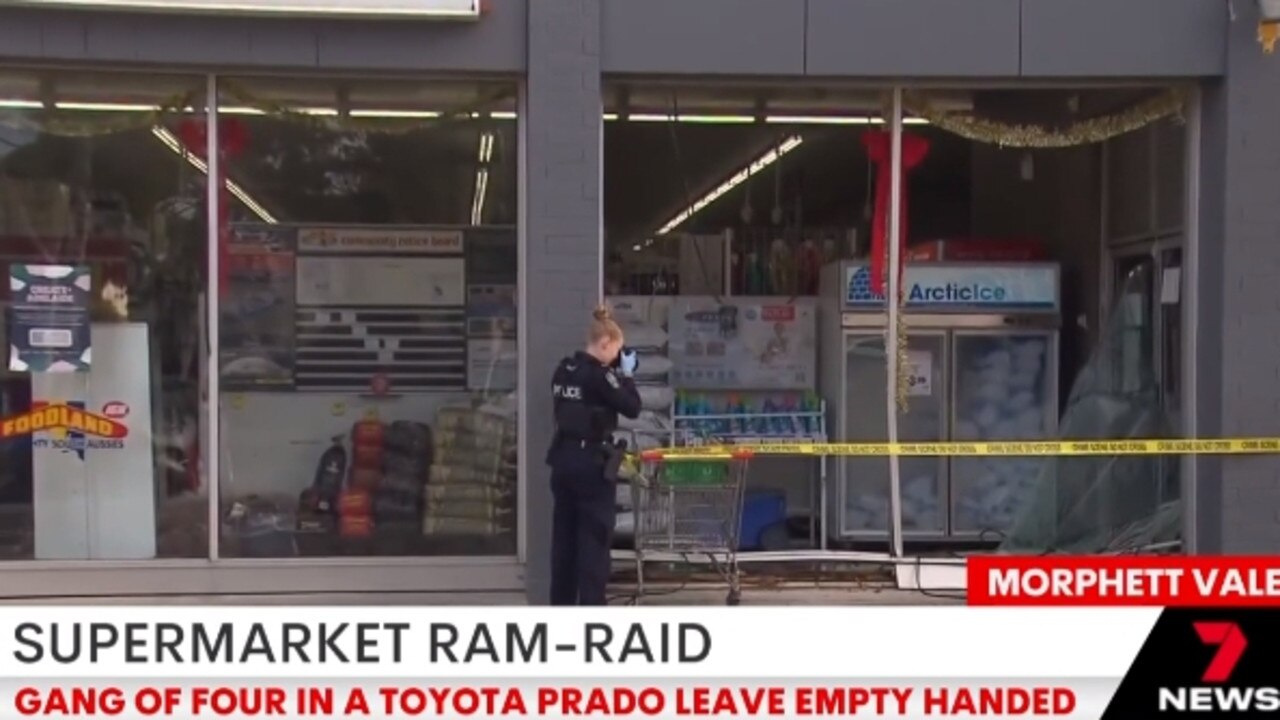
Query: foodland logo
x,y
69,427
1215,697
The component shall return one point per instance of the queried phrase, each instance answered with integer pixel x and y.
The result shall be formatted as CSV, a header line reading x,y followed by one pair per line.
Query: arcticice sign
x,y
425,9
962,287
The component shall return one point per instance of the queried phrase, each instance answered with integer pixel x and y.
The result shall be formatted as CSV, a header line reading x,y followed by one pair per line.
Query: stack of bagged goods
x,y
406,463
1002,398
646,333
473,476
653,380
355,503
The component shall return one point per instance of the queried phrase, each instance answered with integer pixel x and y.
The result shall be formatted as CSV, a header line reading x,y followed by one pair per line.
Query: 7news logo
x,y
1217,694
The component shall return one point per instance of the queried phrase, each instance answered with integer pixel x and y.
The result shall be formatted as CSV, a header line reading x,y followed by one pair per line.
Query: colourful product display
x,y
762,415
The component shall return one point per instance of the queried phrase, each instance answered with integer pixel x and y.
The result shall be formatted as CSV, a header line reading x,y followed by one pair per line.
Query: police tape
x,y
1051,448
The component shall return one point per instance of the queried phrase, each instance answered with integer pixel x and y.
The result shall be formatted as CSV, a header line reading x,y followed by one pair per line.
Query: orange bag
x,y
356,527
354,502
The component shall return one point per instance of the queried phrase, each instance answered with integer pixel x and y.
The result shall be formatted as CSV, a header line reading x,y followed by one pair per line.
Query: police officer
x,y
591,388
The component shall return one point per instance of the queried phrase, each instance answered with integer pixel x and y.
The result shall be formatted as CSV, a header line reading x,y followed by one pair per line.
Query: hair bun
x,y
602,313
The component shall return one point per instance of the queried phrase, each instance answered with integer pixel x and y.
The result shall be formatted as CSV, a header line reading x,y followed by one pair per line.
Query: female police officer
x,y
591,388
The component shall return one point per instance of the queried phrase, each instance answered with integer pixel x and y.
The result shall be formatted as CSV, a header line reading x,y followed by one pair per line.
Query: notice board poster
x,y
492,359
48,319
257,315
748,344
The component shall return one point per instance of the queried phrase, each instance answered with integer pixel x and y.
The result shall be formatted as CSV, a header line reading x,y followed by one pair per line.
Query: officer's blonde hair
x,y
603,326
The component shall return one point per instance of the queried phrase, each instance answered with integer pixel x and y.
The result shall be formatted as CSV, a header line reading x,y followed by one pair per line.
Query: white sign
x,y
492,365
381,241
956,287
93,467
919,373
755,344
390,281
444,9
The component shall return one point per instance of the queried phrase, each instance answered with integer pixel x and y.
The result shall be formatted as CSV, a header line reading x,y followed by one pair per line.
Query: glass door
x,y
1005,387
865,509
1148,286
1169,331
1135,284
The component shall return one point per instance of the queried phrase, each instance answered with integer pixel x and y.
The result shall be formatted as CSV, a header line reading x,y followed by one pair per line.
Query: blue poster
x,y
49,318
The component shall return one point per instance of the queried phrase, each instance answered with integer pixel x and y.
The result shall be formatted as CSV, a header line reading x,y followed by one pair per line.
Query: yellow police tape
x,y
1055,448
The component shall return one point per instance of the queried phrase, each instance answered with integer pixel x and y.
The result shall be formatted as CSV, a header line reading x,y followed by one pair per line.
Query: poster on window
x,y
491,338
747,344
257,314
48,318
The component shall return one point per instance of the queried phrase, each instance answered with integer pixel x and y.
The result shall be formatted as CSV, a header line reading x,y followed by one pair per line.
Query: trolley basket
x,y
690,506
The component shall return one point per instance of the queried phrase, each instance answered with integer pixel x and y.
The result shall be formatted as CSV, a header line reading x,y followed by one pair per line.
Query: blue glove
x,y
629,362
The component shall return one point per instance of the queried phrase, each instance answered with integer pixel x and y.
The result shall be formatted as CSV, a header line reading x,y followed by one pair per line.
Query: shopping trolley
x,y
690,506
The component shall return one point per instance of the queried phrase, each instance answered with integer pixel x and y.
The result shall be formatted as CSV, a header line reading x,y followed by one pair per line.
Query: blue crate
x,y
761,509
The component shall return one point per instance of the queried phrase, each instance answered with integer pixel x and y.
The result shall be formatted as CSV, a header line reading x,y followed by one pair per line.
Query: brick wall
x,y
1239,347
562,246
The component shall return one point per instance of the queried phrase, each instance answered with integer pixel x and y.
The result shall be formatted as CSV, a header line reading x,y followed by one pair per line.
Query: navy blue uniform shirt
x,y
589,397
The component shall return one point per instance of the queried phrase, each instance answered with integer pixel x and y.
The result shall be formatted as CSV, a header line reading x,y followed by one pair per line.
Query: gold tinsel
x,y
1268,33
1085,132
72,123
346,123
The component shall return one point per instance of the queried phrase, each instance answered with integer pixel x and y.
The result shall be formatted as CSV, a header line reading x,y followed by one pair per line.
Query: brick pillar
x,y
1238,348
562,233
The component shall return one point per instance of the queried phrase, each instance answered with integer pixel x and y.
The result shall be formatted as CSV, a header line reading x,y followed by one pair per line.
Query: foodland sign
x,y
418,9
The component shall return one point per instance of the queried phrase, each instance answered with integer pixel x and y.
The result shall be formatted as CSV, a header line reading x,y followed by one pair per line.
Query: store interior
x,y
343,384
759,204
364,416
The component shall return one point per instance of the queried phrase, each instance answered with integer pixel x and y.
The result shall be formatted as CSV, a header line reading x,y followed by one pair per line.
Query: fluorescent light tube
x,y
737,179
172,142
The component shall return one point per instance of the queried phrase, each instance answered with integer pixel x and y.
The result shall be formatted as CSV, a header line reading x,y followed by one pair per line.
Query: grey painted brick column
x,y
1238,355
562,232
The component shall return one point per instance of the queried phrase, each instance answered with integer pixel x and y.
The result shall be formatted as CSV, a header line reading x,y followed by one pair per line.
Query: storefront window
x,y
367,319
102,245
745,229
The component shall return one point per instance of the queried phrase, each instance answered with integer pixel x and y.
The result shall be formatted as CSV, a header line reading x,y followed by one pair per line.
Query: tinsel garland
x,y
1084,132
78,123
1268,33
346,123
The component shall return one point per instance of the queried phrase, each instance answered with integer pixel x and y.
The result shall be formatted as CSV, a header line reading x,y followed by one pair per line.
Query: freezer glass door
x,y
866,491
1005,390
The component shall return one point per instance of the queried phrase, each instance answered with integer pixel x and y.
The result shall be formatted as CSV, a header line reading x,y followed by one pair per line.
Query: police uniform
x,y
588,399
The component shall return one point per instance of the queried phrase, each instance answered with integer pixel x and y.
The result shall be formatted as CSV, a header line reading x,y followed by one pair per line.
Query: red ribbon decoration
x,y
233,138
879,145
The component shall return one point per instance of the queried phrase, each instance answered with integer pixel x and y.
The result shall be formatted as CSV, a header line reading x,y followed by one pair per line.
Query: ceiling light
x,y
502,115
238,110
713,119
819,120
485,155
171,142
477,201
22,104
426,114
105,107
738,178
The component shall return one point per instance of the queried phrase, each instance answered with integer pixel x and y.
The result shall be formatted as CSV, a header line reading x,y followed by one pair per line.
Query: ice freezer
x,y
982,357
